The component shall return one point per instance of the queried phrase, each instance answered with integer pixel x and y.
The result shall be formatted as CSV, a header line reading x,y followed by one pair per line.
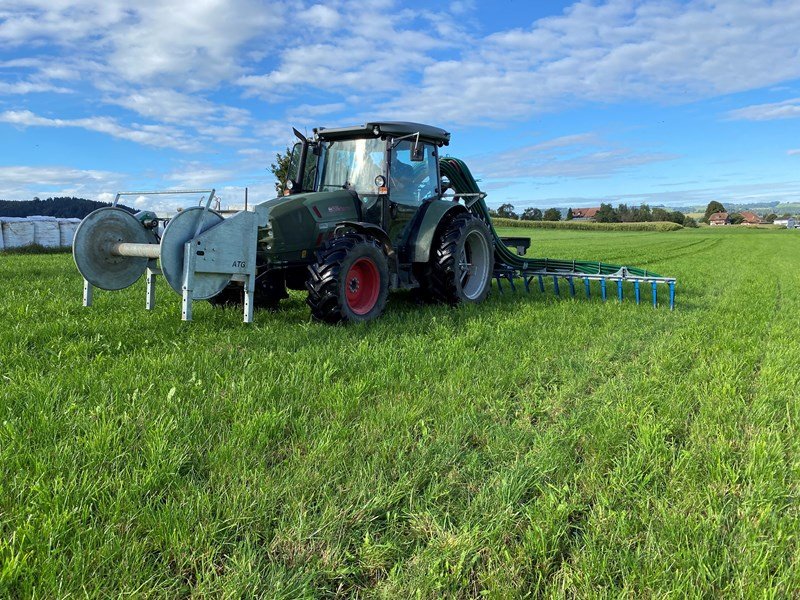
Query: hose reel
x,y
199,254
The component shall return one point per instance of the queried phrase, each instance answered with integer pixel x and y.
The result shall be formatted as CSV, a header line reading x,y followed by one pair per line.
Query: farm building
x,y
719,218
584,214
751,218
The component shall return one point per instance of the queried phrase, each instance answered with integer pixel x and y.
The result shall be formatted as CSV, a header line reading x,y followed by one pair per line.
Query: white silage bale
x,y
66,230
2,245
46,232
17,232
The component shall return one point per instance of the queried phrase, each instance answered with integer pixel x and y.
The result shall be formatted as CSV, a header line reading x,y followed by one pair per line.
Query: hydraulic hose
x,y
462,182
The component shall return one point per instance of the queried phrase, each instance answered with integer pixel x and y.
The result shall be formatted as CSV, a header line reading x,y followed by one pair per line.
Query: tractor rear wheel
x,y
461,262
349,280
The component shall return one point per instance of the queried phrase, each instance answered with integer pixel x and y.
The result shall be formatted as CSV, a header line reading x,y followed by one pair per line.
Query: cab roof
x,y
385,128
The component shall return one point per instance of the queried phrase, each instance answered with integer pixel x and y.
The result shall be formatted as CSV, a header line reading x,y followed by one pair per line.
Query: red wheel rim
x,y
362,286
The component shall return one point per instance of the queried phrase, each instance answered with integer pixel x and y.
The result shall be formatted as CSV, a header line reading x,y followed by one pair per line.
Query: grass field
x,y
528,446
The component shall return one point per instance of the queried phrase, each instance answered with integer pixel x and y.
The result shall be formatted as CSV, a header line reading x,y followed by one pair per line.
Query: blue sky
x,y
550,103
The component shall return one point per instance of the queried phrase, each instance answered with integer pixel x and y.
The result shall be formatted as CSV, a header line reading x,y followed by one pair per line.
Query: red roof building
x,y
751,218
585,213
719,218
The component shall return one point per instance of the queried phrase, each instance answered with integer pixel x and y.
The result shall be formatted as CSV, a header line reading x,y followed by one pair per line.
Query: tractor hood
x,y
298,224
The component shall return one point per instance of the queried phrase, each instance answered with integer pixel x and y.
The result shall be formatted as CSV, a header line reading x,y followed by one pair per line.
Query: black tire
x,y
269,290
349,280
462,241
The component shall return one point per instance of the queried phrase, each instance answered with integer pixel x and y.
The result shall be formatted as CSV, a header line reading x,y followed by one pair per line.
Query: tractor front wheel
x,y
461,262
349,280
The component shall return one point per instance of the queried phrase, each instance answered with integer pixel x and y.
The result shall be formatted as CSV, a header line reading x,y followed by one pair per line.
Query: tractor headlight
x,y
380,181
376,131
289,184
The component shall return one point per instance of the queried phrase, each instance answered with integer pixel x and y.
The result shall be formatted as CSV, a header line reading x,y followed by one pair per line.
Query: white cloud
x,y
165,104
195,175
573,156
192,44
375,48
787,109
793,152
613,51
24,182
321,16
150,135
31,87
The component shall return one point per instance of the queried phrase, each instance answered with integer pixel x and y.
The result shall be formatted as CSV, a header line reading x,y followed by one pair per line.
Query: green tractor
x,y
364,215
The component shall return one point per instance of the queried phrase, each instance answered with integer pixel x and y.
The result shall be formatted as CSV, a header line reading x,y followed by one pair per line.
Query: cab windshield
x,y
353,165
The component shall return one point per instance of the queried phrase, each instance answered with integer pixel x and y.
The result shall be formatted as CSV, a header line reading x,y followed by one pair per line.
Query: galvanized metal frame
x,y
242,226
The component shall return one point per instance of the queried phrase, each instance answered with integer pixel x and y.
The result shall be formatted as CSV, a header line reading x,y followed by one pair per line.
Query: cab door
x,y
411,184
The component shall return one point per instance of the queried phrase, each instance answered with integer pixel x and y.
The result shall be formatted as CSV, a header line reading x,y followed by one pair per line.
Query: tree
x,y
736,219
569,215
552,214
659,214
606,214
770,218
280,168
676,216
689,221
532,214
642,214
506,211
713,207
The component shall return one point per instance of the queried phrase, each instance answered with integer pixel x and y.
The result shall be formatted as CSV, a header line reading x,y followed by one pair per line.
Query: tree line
x,y
506,211
62,207
606,214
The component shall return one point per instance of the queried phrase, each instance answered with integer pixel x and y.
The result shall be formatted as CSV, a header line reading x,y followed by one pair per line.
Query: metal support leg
x,y
672,295
638,292
88,293
555,286
249,288
541,284
571,287
499,285
188,281
150,302
587,284
619,289
603,289
655,294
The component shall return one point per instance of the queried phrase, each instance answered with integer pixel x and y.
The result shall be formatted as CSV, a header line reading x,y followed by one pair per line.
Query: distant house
x,y
584,214
719,218
751,218
789,223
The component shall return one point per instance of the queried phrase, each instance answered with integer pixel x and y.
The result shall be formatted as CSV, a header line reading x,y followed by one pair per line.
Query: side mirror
x,y
417,152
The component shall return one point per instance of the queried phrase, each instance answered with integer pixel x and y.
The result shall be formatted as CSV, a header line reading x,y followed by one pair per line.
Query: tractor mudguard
x,y
375,231
434,212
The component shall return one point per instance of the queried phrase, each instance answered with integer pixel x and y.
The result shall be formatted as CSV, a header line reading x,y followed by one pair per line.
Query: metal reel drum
x,y
181,229
91,248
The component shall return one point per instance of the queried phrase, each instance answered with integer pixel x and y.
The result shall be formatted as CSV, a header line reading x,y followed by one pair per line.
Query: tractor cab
x,y
392,167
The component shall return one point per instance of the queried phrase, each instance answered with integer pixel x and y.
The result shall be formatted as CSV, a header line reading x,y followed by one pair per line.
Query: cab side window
x,y
412,182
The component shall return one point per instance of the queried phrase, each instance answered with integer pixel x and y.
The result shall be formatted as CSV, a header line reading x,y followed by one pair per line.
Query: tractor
x,y
363,215
365,212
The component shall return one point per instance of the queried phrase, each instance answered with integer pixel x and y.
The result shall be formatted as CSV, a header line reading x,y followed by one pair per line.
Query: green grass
x,y
589,225
530,445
